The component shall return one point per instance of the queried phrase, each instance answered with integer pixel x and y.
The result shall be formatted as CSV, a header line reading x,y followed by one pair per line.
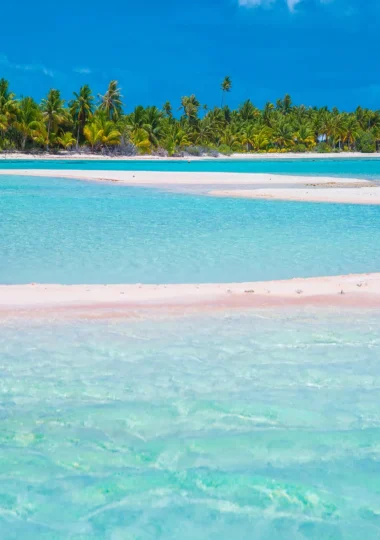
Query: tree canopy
x,y
104,125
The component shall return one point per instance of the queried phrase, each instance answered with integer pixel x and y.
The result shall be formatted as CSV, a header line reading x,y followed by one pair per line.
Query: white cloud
x,y
4,61
83,70
292,4
256,3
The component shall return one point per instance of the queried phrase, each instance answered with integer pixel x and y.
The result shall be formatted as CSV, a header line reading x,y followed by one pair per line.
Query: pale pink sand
x,y
361,290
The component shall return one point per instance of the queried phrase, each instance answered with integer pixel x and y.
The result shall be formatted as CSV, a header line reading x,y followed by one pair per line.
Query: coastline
x,y
234,157
225,184
353,291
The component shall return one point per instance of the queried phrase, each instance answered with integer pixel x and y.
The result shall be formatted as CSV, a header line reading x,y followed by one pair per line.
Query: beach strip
x,y
356,290
235,185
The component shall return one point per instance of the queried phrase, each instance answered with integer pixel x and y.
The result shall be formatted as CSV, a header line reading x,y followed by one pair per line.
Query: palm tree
x,y
204,132
190,106
336,128
28,113
305,135
268,113
53,112
283,134
351,131
39,133
81,109
167,109
254,138
8,106
284,105
101,131
111,102
175,137
226,87
247,111
232,137
140,138
93,134
66,140
153,124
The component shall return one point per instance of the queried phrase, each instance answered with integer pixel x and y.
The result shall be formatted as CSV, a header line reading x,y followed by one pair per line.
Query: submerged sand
x,y
357,290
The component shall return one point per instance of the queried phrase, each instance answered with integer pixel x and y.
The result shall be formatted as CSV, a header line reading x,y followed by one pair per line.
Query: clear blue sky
x,y
322,52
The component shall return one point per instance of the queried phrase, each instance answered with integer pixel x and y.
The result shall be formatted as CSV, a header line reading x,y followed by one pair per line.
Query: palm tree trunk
x,y
48,136
78,134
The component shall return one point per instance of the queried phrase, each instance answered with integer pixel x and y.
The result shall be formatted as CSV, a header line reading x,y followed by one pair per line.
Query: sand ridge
x,y
356,290
258,185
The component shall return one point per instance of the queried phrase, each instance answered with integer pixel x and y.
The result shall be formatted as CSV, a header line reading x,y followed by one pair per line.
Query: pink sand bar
x,y
360,290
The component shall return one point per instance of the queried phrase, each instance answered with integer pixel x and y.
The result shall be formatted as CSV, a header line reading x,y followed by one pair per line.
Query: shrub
x,y
323,148
225,150
194,150
299,148
366,143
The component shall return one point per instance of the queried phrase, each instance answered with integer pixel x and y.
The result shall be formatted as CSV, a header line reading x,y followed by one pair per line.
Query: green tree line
x,y
99,124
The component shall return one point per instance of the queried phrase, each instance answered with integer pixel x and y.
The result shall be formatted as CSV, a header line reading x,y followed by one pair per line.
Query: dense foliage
x,y
100,125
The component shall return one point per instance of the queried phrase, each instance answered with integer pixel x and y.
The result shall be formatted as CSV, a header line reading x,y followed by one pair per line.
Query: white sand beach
x,y
265,156
356,290
264,186
328,194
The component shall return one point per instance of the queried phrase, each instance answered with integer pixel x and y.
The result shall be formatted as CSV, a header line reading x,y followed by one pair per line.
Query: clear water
x,y
243,426
357,168
64,231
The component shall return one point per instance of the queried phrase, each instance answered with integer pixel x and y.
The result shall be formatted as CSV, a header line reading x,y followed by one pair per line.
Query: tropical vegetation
x,y
100,124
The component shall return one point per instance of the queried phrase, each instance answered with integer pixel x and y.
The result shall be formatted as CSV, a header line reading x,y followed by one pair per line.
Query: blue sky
x,y
322,52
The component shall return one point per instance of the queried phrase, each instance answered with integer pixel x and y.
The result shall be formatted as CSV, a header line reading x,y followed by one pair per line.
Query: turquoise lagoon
x,y
357,168
257,424
68,231
261,425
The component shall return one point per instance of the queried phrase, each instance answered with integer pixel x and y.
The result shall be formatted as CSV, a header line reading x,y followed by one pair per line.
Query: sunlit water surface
x,y
256,425
67,231
357,168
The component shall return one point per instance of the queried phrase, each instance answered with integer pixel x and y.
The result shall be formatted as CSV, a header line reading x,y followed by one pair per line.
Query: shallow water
x,y
357,168
256,425
67,231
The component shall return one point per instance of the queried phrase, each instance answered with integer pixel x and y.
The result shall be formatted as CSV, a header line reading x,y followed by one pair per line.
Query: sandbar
x,y
225,184
355,290
342,195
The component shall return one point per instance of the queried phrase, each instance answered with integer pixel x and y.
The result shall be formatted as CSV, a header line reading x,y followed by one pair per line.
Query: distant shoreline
x,y
234,157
